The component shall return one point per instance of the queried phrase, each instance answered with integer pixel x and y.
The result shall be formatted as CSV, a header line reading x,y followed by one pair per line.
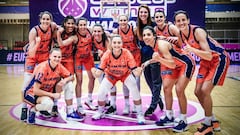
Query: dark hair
x,y
45,12
81,18
104,36
160,11
69,17
180,12
151,29
139,21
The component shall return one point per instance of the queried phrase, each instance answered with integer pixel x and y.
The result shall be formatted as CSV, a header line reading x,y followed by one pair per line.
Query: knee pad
x,y
45,105
27,79
104,88
125,90
101,78
68,90
131,84
138,83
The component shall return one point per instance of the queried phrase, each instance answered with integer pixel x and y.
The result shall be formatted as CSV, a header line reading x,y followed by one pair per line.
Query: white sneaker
x,y
141,119
126,110
81,111
90,105
98,115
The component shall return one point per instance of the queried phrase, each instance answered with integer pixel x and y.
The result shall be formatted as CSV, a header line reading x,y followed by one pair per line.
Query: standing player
x,y
128,35
118,64
213,66
179,76
40,42
67,39
40,92
83,58
100,39
101,45
152,71
167,30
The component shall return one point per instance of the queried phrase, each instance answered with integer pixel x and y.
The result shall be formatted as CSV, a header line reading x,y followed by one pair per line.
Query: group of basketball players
x,y
156,47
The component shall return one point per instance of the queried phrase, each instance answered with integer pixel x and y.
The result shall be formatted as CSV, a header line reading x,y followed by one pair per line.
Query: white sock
x,y
33,109
89,96
100,109
55,102
183,117
139,109
79,101
208,120
69,109
24,105
169,114
113,101
214,117
126,101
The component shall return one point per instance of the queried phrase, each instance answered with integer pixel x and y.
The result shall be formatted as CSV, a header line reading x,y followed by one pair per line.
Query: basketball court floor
x,y
226,106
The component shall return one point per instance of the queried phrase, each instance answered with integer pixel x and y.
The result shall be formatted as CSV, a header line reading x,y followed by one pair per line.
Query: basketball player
x,y
213,66
83,59
128,35
101,45
40,92
66,38
167,30
118,64
40,42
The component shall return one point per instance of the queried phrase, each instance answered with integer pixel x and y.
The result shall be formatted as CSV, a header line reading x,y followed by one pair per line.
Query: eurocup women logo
x,y
75,8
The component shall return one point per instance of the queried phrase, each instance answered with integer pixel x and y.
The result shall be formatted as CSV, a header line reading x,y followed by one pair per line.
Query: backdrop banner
x,y
91,10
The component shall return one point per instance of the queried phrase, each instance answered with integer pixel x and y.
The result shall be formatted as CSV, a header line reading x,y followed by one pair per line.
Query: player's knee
x,y
58,88
198,92
135,94
103,91
45,105
104,88
68,90
102,94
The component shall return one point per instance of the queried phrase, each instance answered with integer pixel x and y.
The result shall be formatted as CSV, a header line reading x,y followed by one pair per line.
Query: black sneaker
x,y
24,114
111,110
149,111
54,111
180,127
160,103
45,114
